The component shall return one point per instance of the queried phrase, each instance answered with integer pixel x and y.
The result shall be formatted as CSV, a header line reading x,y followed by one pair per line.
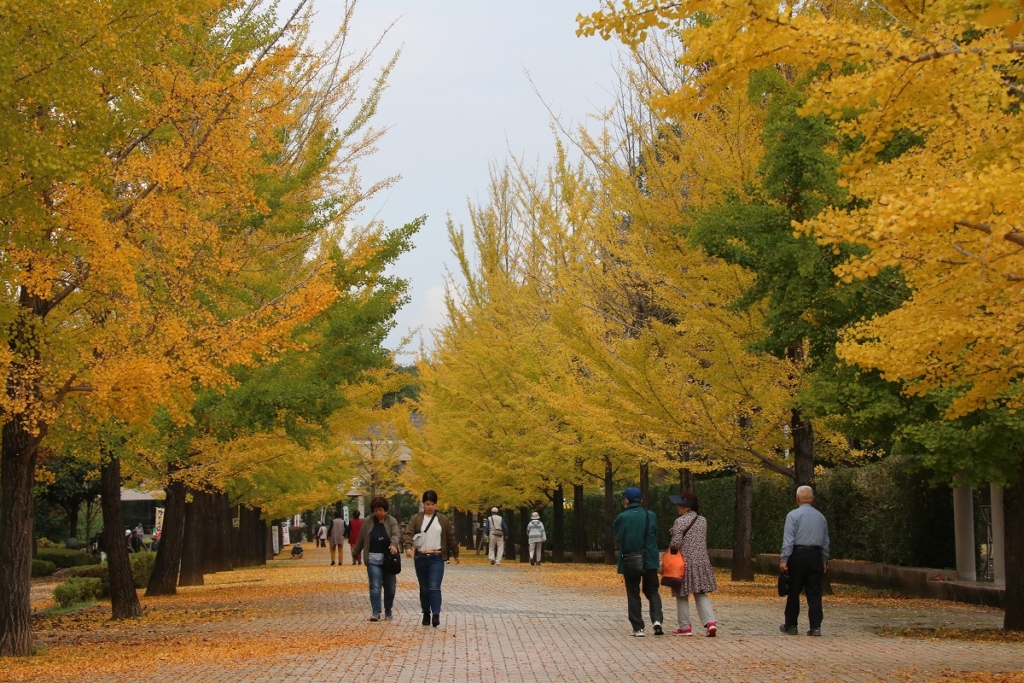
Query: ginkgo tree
x,y
142,259
946,211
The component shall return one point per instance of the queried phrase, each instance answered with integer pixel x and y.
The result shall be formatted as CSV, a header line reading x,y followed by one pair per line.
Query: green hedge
x,y
43,568
76,590
882,512
142,569
65,559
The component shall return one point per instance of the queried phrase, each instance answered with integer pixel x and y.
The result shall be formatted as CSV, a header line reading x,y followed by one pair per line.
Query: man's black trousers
x,y
650,582
805,571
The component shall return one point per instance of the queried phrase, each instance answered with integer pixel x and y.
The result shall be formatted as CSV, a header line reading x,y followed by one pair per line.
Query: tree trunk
x,y
164,580
207,529
685,474
225,552
250,538
510,544
803,448
124,601
645,483
1013,521
742,568
524,537
218,520
579,525
72,513
88,520
193,542
558,537
17,479
609,512
801,431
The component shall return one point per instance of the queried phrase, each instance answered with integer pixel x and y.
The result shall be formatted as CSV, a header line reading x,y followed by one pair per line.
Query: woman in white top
x,y
429,536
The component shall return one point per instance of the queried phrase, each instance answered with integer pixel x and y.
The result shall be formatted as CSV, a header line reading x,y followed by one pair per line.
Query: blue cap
x,y
632,494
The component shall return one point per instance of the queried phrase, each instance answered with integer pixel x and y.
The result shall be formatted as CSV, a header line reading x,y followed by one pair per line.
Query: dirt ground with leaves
x,y
306,620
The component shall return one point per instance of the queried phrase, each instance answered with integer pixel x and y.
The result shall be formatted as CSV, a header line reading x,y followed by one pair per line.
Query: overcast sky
x,y
461,98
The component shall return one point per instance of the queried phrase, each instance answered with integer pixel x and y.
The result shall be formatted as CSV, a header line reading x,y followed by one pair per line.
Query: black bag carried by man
x,y
783,584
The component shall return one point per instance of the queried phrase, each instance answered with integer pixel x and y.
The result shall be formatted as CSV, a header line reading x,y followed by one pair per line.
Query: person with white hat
x,y
536,535
496,530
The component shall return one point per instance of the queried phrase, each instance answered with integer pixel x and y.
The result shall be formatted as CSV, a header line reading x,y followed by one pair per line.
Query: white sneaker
x,y
639,633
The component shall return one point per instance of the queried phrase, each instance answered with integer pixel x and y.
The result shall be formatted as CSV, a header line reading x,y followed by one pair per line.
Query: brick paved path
x,y
530,625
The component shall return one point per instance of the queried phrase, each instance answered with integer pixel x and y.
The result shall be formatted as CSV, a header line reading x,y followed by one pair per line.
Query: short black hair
x,y
430,495
379,502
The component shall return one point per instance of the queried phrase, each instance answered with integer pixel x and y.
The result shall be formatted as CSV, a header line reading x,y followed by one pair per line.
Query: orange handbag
x,y
673,566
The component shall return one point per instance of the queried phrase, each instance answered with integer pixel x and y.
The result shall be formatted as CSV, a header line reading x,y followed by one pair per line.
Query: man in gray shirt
x,y
805,559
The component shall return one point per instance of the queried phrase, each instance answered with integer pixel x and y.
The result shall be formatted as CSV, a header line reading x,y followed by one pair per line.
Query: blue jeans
x,y
430,573
378,578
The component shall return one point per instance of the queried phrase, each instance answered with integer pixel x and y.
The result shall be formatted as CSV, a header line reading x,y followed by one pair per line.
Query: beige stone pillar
x,y
963,527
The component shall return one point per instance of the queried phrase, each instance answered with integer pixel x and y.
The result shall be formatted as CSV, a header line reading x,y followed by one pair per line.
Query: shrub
x,y
43,568
142,567
65,559
77,590
93,571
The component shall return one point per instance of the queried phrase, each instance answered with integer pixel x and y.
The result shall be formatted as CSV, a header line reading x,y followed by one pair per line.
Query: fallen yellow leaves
x,y
98,660
180,629
974,635
577,576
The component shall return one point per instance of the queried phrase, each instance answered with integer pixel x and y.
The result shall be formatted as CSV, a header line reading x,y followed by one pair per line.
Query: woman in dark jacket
x,y
690,536
379,534
431,537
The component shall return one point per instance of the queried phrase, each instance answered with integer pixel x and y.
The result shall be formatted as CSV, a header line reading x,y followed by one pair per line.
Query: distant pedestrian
x,y
636,529
378,535
690,537
429,536
297,550
805,559
355,527
336,537
321,535
496,530
536,535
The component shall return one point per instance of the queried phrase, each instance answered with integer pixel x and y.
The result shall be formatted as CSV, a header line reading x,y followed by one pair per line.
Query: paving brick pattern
x,y
506,624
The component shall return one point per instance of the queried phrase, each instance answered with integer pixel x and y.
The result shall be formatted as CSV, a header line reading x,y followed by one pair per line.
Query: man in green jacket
x,y
637,529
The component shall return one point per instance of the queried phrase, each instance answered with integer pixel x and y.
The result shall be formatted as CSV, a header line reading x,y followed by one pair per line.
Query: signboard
x,y
286,538
276,542
159,524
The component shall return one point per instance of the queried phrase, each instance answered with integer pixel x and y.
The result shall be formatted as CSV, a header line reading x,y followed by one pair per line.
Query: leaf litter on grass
x,y
186,628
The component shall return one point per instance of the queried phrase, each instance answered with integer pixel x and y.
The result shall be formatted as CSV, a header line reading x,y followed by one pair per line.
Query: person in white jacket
x,y
537,537
496,530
